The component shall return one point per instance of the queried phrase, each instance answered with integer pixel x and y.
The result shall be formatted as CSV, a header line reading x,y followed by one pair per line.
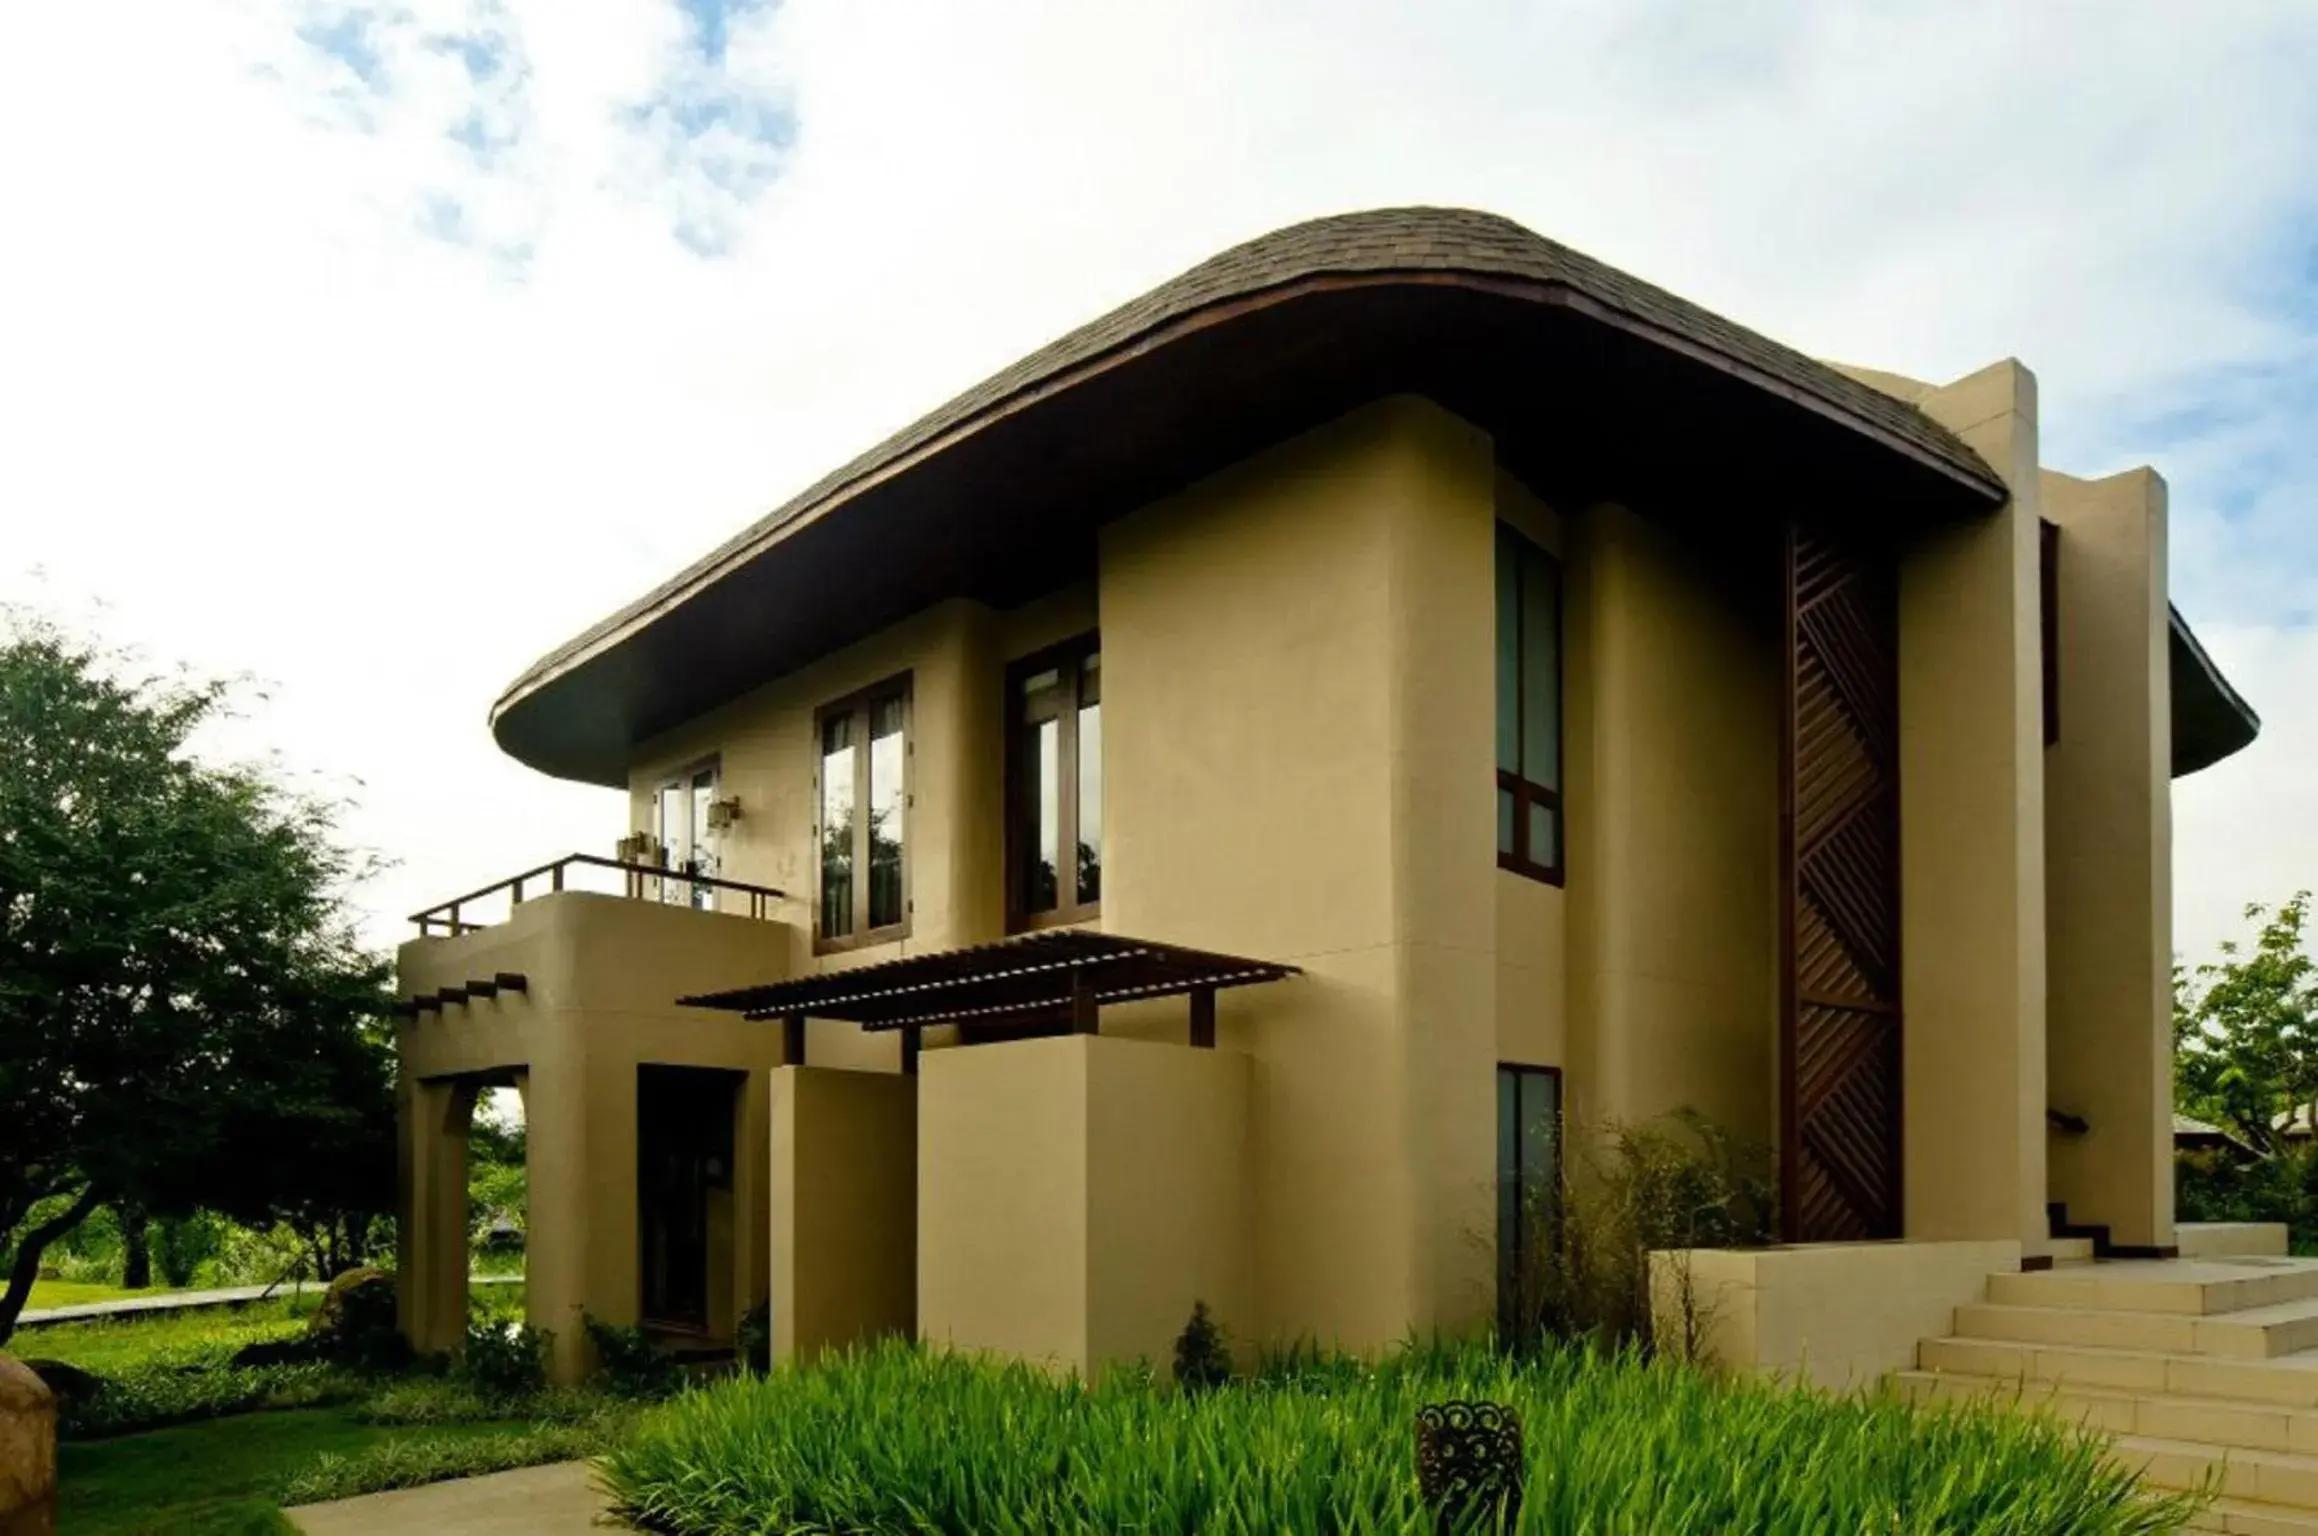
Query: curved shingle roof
x,y
1476,249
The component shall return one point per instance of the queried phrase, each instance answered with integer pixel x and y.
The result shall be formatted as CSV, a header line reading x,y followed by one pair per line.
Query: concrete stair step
x,y
2254,1333
2289,1381
2265,1477
2244,1517
2174,1287
2223,1422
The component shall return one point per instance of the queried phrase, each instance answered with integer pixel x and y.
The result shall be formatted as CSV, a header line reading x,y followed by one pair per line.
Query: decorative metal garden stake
x,y
1469,1465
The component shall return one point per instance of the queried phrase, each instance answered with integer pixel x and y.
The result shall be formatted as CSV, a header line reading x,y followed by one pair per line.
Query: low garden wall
x,y
1831,1314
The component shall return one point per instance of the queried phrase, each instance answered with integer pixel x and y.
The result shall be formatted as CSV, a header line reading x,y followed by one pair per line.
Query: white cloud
x,y
302,384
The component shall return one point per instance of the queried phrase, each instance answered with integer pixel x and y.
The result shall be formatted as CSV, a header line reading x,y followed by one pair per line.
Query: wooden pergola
x,y
1065,974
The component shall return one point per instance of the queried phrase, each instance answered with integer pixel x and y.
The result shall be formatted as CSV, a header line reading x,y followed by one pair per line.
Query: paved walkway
x,y
554,1500
178,1301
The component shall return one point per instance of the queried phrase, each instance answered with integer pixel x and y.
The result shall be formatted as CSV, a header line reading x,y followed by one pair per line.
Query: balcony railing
x,y
640,882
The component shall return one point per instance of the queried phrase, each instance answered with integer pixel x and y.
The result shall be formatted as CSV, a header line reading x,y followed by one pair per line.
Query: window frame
x,y
1527,792
860,702
1069,656
674,890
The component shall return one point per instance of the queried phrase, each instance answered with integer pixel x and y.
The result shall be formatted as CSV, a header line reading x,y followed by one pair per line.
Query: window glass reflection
x,y
837,826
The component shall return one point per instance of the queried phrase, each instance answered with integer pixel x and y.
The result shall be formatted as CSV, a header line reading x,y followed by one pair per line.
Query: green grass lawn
x,y
216,1478
196,1336
284,1433
74,1293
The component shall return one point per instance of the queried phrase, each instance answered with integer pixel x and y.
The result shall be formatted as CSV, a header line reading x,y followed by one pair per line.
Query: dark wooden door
x,y
1839,1037
684,1140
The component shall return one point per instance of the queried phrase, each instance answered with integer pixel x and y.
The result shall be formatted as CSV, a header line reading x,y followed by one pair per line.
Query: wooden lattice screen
x,y
1839,919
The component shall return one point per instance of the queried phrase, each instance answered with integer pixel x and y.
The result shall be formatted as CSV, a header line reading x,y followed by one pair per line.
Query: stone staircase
x,y
2200,1366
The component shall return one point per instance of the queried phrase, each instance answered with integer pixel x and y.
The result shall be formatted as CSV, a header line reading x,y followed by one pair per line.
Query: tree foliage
x,y
2245,1029
186,1018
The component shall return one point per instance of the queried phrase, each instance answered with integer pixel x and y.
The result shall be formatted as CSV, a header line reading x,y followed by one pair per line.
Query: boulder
x,y
355,1301
356,1323
27,1452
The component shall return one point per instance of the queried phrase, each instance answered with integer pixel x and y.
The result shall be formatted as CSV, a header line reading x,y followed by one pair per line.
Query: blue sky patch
x,y
712,22
350,37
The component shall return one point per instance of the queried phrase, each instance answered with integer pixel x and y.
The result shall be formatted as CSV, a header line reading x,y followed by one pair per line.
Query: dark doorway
x,y
1839,1025
684,1143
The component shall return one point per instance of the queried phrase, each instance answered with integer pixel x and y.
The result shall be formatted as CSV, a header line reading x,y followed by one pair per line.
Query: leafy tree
x,y
2245,1030
183,1005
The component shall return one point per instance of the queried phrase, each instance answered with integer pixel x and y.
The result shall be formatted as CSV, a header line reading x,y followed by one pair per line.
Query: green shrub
x,y
627,1363
162,1395
506,1360
454,1400
1674,1183
895,1439
1202,1354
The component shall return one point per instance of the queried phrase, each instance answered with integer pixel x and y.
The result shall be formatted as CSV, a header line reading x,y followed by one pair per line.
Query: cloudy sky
x,y
373,348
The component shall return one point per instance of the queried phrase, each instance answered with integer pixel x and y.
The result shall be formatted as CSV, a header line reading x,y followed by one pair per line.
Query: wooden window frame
x,y
1068,655
1527,792
859,702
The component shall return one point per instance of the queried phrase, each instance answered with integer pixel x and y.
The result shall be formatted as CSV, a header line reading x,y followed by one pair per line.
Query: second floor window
x,y
864,816
1054,827
1529,820
687,841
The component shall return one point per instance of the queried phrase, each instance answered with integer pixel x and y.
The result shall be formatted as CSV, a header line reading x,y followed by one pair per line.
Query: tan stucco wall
x,y
1673,865
1834,1315
1972,841
2108,859
843,1210
1079,1194
1167,1195
603,974
1002,1208
1298,707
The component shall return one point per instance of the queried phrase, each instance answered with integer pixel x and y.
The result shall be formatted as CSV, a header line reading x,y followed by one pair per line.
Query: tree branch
x,y
29,1248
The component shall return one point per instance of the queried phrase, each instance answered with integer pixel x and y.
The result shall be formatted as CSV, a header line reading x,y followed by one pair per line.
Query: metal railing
x,y
637,879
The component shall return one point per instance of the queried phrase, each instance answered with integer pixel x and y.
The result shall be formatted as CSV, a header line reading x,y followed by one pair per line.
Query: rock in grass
x,y
27,1449
351,1299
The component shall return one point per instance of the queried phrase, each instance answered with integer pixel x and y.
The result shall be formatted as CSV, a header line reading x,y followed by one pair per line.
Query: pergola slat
x,y
1032,973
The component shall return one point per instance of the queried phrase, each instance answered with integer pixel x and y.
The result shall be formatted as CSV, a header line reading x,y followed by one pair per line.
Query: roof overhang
x,y
1590,381
2210,720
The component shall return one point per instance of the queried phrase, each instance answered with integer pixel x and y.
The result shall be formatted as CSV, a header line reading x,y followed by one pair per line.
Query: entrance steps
x,y
2202,1368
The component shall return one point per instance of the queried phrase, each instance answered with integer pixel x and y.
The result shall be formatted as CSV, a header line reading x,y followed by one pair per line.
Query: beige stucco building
x,y
1191,817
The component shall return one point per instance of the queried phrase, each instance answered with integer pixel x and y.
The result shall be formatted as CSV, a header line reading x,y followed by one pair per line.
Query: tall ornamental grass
x,y
894,1439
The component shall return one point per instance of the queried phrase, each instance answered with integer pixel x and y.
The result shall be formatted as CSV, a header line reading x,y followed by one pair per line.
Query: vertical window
x,y
864,815
1054,829
687,842
2048,622
1529,819
1528,1189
